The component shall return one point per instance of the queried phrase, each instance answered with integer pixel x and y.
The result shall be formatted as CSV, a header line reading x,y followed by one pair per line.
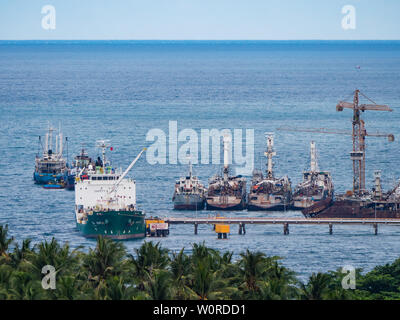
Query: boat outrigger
x,y
105,204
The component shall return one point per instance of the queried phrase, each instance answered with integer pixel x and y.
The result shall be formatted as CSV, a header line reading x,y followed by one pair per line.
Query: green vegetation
x,y
153,272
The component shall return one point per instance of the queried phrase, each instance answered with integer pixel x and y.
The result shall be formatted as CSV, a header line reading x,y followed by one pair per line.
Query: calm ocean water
x,y
121,90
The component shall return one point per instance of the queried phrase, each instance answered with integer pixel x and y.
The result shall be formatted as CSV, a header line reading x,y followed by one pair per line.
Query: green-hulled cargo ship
x,y
105,203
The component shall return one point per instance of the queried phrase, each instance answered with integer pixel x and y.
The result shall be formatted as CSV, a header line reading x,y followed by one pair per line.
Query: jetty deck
x,y
243,221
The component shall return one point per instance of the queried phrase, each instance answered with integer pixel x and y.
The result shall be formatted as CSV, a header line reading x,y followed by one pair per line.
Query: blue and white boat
x,y
50,166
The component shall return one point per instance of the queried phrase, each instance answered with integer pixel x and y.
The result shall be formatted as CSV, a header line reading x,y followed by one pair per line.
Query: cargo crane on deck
x,y
357,155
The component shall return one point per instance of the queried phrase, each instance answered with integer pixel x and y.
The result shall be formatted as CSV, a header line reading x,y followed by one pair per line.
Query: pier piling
x,y
286,228
242,228
376,228
195,228
330,228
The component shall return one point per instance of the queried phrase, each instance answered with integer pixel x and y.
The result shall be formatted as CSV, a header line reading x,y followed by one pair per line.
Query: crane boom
x,y
127,170
331,131
362,107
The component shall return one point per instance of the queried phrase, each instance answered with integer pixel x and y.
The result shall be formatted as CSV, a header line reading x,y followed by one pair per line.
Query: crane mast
x,y
358,133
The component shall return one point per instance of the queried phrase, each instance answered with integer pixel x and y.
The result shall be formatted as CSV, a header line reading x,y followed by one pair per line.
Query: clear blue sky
x,y
200,19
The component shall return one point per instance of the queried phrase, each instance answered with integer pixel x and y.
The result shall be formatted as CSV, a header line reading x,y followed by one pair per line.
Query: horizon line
x,y
199,39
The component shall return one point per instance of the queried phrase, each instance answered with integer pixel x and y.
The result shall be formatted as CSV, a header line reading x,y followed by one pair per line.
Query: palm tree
x,y
64,260
20,254
252,267
4,241
115,288
23,286
180,267
149,257
158,286
280,283
206,280
5,276
68,288
316,287
106,260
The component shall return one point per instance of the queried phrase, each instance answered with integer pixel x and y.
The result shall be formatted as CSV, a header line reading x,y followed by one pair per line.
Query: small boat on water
x,y
105,204
226,192
189,192
316,185
81,161
269,193
54,185
50,166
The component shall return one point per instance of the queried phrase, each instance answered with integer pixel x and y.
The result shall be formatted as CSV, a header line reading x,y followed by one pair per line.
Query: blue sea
x,y
120,90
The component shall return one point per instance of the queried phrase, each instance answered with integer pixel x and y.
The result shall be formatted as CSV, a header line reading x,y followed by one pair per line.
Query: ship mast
x,y
190,166
269,154
313,157
60,141
50,137
103,145
227,141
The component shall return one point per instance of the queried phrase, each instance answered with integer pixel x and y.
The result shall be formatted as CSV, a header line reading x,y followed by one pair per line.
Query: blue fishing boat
x,y
50,166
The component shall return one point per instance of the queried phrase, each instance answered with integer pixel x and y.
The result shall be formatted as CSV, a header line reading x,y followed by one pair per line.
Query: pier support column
x,y
242,228
376,228
330,228
286,228
195,228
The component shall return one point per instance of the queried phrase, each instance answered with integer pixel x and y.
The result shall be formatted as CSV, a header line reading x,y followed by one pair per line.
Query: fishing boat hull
x,y
53,186
118,225
45,178
268,202
267,207
225,203
188,202
352,208
304,202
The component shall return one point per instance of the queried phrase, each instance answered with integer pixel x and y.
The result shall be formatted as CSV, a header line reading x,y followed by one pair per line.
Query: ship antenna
x,y
270,153
190,165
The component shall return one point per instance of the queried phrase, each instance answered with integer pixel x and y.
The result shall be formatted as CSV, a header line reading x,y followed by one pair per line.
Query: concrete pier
x,y
242,221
